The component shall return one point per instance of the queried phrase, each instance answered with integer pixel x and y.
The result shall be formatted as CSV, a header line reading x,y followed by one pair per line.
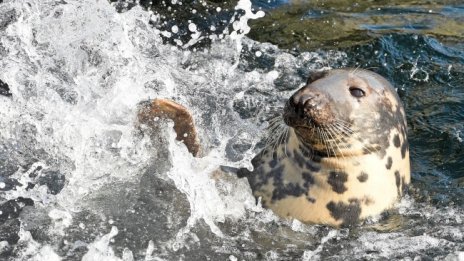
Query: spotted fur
x,y
342,160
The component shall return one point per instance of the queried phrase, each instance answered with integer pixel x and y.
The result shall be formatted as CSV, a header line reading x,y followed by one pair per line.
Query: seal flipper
x,y
183,121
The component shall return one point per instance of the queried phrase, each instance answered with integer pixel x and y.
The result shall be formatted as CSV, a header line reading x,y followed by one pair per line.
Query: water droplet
x,y
175,29
192,27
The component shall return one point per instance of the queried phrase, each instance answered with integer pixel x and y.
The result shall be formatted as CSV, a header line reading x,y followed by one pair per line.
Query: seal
x,y
338,154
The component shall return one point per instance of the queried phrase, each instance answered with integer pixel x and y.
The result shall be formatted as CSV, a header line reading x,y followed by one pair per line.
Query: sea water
x,y
81,180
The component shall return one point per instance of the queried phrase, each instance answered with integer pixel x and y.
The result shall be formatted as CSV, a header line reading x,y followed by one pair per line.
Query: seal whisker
x,y
275,124
343,126
329,139
327,143
275,130
334,135
341,132
332,141
271,140
357,137
282,140
318,133
286,139
282,135
276,119
337,131
355,69
277,140
346,131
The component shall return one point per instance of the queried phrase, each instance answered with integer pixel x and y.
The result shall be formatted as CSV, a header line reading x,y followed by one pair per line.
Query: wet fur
x,y
330,168
345,173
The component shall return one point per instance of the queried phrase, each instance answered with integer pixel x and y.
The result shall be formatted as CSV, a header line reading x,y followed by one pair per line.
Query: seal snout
x,y
303,101
307,106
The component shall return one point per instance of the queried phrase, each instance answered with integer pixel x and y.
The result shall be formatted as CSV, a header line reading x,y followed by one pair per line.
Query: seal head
x,y
342,157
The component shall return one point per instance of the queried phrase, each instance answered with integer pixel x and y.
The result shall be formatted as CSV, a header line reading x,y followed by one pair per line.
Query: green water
x,y
306,25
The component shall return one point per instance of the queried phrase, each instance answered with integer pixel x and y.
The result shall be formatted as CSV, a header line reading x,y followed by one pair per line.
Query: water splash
x,y
77,71
101,250
31,250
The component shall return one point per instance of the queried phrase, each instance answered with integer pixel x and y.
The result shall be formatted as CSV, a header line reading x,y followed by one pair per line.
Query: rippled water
x,y
79,180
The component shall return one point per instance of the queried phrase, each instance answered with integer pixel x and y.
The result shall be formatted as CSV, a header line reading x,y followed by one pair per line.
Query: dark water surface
x,y
78,180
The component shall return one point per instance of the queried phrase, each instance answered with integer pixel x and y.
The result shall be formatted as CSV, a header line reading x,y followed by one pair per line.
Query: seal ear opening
x,y
316,75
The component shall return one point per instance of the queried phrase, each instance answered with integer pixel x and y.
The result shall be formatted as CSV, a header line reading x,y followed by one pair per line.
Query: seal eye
x,y
356,92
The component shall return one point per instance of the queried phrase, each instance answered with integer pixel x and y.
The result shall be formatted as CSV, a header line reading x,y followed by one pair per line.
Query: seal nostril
x,y
301,102
308,103
304,99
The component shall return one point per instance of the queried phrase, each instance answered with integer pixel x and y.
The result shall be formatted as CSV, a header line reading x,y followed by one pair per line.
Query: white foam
x,y
77,72
87,70
100,249
61,219
193,177
34,251
387,245
314,254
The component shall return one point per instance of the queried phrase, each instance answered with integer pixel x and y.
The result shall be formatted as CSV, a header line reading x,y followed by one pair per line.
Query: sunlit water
x,y
80,180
